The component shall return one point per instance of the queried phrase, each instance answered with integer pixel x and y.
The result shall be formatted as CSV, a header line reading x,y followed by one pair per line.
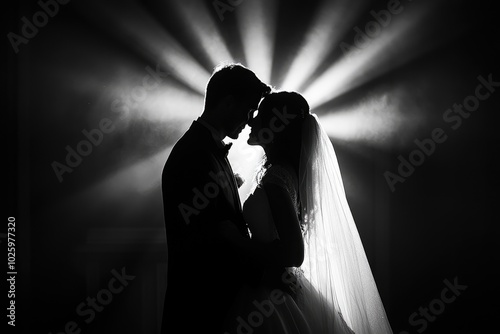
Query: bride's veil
x,y
335,261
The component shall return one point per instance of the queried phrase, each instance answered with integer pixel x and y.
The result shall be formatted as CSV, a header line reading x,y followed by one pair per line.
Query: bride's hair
x,y
287,110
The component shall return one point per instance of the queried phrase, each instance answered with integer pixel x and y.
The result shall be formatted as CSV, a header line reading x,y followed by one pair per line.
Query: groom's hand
x,y
264,254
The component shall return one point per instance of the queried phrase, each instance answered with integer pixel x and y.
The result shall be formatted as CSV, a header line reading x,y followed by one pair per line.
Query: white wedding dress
x,y
308,311
334,290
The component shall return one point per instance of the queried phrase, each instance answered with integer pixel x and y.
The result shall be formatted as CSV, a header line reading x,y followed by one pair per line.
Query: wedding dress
x,y
308,306
287,317
334,290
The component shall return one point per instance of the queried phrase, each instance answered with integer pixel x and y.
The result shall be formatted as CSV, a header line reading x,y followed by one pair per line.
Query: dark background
x,y
438,225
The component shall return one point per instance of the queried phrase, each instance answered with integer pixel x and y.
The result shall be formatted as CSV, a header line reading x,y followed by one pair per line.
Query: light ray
x,y
397,44
167,101
201,25
386,120
137,28
127,185
131,93
257,27
331,21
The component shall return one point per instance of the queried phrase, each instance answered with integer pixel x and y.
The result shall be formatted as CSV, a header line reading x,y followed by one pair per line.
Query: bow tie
x,y
225,148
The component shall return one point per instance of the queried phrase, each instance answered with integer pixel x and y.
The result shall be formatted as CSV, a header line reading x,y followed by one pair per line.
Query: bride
x,y
318,279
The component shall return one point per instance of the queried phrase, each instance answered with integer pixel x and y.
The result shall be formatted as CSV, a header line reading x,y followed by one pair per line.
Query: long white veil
x,y
335,261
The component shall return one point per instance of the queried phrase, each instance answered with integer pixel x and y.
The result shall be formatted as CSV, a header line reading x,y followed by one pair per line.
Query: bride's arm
x,y
261,253
290,251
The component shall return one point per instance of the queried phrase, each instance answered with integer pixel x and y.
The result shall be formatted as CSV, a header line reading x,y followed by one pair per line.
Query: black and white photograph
x,y
251,166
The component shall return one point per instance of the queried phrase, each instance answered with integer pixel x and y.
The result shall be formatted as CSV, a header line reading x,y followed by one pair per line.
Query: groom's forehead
x,y
253,101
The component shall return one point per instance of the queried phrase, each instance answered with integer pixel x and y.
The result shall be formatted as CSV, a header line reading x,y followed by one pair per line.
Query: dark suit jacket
x,y
204,271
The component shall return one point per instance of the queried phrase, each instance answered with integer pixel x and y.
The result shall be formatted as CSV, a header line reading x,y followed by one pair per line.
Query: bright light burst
x,y
135,26
373,122
257,28
390,49
128,184
156,101
331,21
204,30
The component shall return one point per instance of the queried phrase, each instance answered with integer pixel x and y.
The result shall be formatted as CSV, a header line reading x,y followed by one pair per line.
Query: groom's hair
x,y
236,80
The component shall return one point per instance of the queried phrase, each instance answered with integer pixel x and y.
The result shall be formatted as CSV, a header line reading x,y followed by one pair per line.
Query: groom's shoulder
x,y
196,138
193,144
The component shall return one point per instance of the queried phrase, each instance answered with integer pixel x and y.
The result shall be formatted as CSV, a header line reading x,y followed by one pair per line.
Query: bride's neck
x,y
280,158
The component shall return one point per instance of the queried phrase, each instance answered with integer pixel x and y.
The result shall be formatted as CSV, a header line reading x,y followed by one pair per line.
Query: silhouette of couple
x,y
290,260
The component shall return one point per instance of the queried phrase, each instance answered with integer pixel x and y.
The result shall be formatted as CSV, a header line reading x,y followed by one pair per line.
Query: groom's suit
x,y
204,271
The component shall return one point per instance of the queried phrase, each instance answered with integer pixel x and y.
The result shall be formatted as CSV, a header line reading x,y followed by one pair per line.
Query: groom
x,y
200,197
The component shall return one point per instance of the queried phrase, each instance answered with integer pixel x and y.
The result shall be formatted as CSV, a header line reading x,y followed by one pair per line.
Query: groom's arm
x,y
188,213
196,221
264,255
192,214
187,190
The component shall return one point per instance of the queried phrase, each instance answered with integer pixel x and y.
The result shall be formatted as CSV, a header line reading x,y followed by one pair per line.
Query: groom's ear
x,y
228,102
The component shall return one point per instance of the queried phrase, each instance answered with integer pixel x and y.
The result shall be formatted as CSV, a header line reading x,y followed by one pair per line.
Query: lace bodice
x,y
256,209
284,178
